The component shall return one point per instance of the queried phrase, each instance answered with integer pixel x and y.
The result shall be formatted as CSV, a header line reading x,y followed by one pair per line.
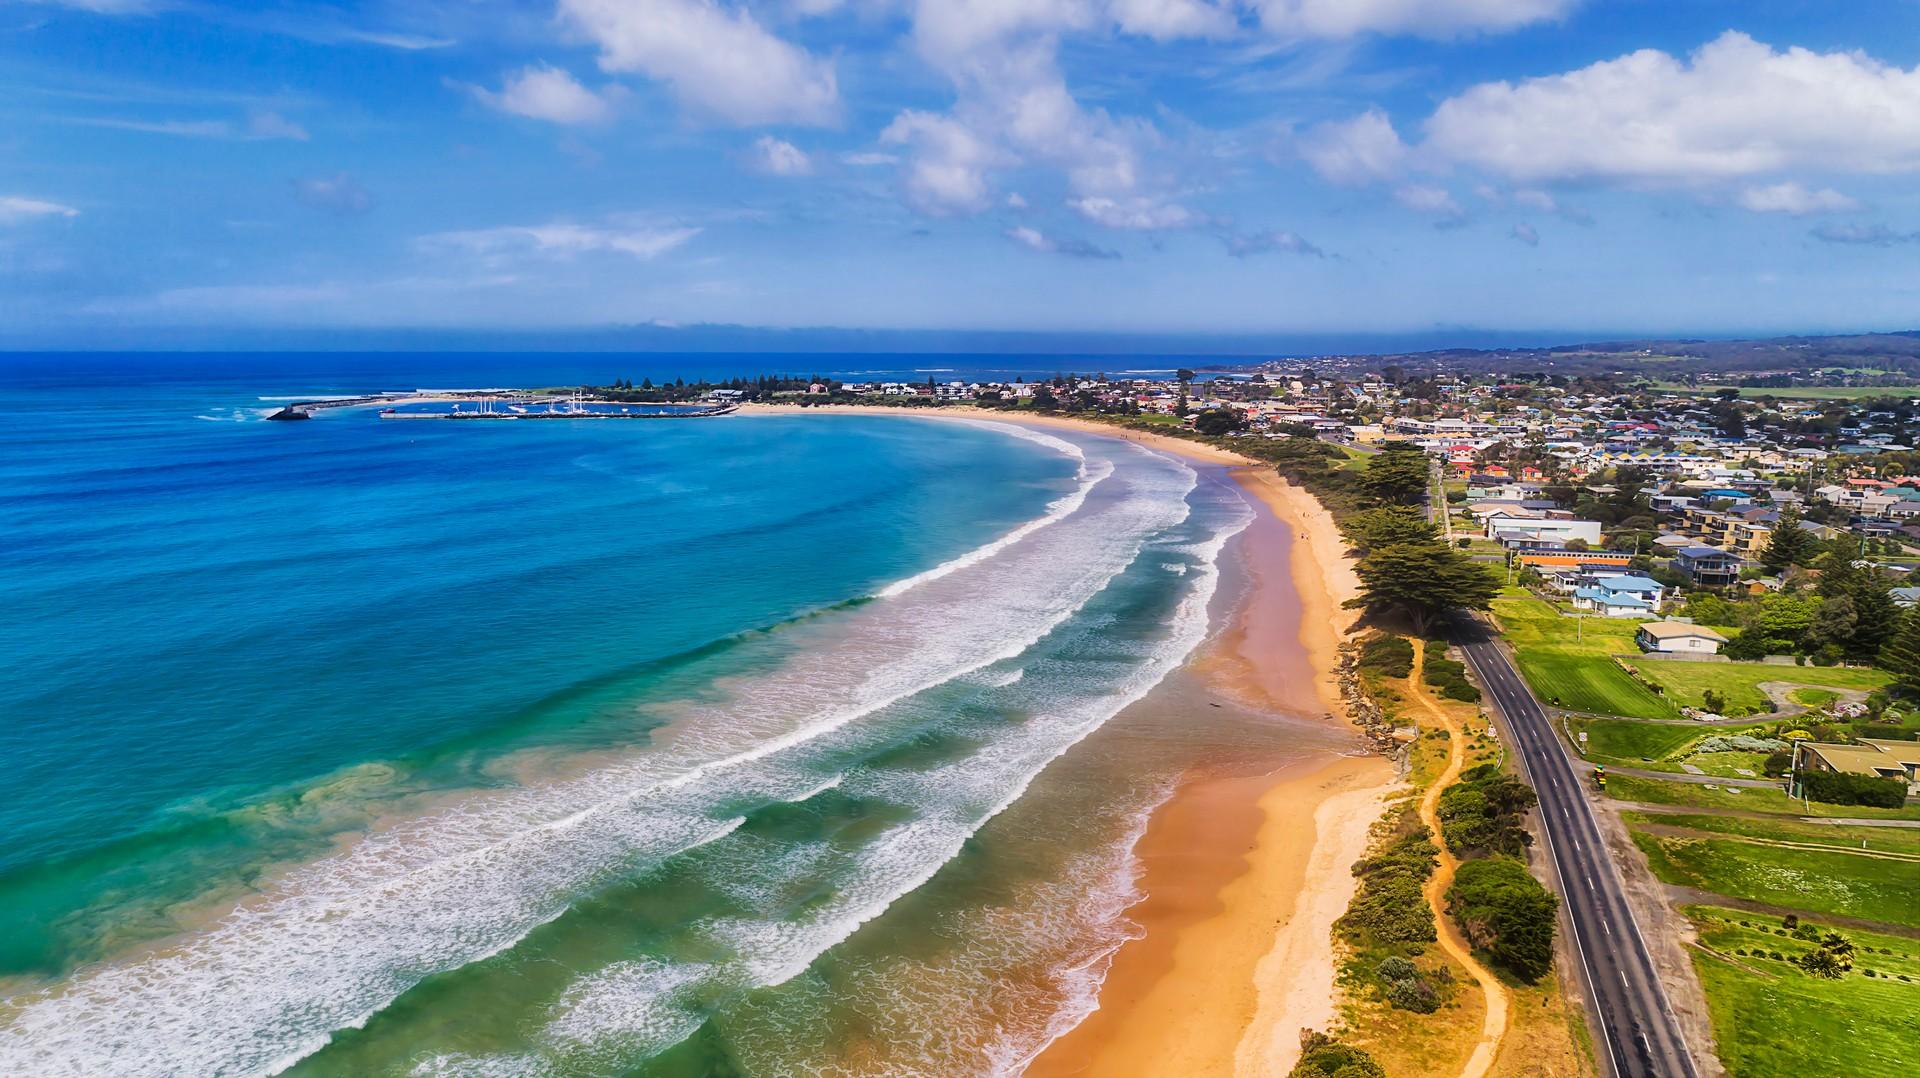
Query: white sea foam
x,y
957,800
1089,475
331,944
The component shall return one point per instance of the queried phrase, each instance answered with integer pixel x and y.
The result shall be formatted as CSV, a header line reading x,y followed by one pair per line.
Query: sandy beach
x,y
1243,874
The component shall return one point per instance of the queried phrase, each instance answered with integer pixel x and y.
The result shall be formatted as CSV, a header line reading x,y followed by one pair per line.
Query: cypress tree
x,y
1790,544
1901,655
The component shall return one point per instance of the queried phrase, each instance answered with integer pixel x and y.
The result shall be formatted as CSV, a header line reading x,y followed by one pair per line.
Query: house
x,y
1707,567
1617,595
1904,597
1678,638
1531,526
1869,756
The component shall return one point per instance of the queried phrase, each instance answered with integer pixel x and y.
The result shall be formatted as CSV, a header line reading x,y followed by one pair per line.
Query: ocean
x,y
753,745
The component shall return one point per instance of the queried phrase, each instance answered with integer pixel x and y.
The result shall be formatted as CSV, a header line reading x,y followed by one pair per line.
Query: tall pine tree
x,y
1790,544
1901,655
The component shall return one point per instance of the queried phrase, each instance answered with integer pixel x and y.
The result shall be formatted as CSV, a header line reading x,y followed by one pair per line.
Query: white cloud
x,y
1735,108
14,209
1431,18
1794,199
718,60
1016,201
947,170
1034,239
1142,214
1864,235
260,126
866,159
1246,245
1357,151
1526,234
267,125
1164,20
1422,198
339,194
561,240
405,42
778,157
545,92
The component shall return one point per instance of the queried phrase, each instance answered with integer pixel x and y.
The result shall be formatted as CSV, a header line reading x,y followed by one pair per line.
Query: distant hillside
x,y
1865,358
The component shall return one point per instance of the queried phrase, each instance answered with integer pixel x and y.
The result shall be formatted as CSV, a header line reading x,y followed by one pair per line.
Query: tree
x,y
1901,654
1372,529
1833,624
1504,912
1424,580
1217,421
1397,474
1044,400
1790,544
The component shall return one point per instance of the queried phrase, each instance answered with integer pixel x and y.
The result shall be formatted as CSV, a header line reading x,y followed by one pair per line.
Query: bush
x,y
1460,690
1777,764
1480,814
1413,994
1396,969
1390,908
1505,913
1387,655
1841,789
1323,1057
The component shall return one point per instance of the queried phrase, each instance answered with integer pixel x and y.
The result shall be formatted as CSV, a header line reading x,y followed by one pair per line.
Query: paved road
x,y
1639,1036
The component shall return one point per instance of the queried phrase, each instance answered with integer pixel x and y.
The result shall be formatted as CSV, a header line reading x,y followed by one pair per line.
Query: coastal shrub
x,y
1396,968
1460,690
1387,655
1447,675
1389,908
1841,789
1413,994
1740,743
1505,913
1481,813
1323,1057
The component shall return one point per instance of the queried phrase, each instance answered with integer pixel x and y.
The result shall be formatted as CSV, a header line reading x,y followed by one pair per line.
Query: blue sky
x,y
1165,166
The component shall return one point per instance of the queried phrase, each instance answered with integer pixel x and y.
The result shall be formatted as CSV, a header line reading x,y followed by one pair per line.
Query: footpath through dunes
x,y
1494,1029
789,803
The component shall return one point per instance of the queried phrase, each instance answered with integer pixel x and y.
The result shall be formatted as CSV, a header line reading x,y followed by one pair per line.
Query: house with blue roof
x,y
1620,595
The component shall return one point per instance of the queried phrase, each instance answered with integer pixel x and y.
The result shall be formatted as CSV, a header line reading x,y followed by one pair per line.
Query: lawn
x,y
1884,839
1684,682
1635,744
1818,881
1780,1021
1566,660
1694,795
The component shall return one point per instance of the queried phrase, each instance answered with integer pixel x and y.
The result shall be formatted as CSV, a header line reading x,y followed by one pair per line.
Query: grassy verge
x,y
1568,661
1685,683
1881,839
1819,881
1693,795
1771,1019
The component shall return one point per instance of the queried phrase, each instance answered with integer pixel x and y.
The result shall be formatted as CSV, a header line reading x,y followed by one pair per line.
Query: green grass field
x,y
1817,881
1882,839
1685,682
1694,795
1568,664
1770,1019
1636,744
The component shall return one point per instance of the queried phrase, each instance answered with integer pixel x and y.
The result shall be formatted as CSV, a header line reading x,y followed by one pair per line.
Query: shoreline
x,y
1242,874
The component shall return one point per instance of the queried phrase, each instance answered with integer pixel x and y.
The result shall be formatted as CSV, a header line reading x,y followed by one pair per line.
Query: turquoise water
x,y
687,747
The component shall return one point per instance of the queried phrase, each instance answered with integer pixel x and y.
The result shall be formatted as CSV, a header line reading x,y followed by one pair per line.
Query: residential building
x,y
1678,638
1869,756
1707,567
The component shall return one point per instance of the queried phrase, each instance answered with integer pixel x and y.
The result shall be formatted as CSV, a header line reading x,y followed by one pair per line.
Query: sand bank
x,y
1243,874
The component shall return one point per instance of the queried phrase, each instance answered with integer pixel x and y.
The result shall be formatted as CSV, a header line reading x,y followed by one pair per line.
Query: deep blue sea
x,y
683,747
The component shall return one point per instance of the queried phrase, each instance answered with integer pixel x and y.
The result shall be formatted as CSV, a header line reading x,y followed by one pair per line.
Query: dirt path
x,y
1495,1027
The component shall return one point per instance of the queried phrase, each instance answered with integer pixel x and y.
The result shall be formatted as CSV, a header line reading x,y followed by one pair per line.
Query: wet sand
x,y
1243,873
